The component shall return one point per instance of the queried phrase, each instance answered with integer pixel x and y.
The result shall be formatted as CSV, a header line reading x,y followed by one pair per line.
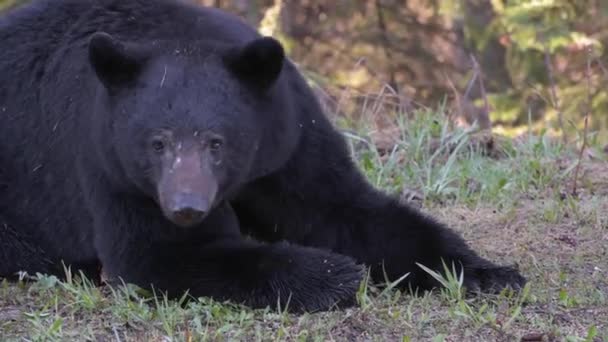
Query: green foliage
x,y
448,165
540,25
8,4
548,44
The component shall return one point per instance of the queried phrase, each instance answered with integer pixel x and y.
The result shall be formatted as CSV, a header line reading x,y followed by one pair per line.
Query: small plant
x,y
452,282
43,329
363,298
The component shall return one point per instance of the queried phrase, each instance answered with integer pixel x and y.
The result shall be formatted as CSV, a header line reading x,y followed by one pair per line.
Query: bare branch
x,y
471,82
602,67
386,44
587,112
482,89
554,99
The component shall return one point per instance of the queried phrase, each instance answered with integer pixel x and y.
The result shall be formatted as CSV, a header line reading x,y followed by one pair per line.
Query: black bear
x,y
177,148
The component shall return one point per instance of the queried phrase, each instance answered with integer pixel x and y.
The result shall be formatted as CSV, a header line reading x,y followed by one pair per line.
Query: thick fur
x,y
75,184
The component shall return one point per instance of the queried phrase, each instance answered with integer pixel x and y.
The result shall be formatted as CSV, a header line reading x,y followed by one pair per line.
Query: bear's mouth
x,y
187,217
186,209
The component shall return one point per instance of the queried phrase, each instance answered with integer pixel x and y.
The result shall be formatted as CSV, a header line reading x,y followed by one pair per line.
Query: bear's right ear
x,y
258,62
115,63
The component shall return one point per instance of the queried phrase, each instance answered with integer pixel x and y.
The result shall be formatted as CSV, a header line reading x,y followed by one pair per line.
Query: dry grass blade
x,y
586,127
554,98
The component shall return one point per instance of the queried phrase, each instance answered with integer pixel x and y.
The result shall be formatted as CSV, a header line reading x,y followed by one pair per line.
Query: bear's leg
x,y
21,252
392,237
320,199
214,260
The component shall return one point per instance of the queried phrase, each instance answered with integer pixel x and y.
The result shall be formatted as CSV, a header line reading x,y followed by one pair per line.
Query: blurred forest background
x,y
507,64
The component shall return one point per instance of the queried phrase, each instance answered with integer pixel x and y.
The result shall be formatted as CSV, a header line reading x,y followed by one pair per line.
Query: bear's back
x,y
65,21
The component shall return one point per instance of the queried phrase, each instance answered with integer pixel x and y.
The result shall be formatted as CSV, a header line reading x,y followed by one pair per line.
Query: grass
x,y
514,208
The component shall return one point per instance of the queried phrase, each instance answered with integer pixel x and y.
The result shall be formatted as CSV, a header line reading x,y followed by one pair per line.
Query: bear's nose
x,y
188,209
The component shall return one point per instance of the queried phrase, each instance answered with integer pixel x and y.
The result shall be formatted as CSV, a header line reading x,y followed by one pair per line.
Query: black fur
x,y
84,84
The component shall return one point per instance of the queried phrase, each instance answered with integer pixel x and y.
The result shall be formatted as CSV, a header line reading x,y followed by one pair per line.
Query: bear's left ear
x,y
115,63
258,62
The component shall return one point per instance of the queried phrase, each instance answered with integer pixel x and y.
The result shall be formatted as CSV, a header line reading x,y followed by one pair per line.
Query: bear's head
x,y
189,122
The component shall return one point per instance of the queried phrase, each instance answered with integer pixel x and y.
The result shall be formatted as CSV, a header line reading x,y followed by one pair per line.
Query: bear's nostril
x,y
188,209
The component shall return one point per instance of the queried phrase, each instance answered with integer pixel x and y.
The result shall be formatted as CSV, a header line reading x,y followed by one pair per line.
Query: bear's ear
x,y
258,62
115,63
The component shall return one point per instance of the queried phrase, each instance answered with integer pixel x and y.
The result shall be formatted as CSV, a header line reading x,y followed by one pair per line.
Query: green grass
x,y
454,170
513,208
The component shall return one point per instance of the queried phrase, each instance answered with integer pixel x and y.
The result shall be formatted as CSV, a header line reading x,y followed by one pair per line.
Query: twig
x,y
587,111
187,333
602,67
554,99
470,84
456,98
460,99
116,334
386,44
482,89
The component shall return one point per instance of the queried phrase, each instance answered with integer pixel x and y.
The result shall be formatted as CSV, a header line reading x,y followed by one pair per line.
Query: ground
x,y
516,206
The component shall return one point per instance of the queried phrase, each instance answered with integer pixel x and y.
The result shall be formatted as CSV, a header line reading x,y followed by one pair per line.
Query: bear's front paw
x,y
493,279
319,280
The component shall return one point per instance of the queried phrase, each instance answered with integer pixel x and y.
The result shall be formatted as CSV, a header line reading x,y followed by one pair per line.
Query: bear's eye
x,y
158,145
216,144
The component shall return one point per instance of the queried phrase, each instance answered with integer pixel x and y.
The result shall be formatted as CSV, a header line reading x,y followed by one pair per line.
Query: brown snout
x,y
187,209
187,190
